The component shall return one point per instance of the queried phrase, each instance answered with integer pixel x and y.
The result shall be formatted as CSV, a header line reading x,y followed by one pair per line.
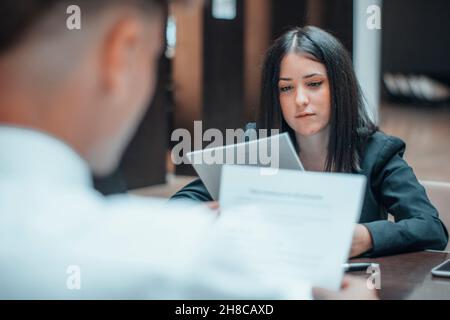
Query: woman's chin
x,y
307,132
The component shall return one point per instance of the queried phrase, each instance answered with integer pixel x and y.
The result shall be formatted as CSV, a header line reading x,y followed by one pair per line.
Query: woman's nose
x,y
301,98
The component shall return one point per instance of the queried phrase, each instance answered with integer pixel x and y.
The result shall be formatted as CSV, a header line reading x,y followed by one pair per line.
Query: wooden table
x,y
408,276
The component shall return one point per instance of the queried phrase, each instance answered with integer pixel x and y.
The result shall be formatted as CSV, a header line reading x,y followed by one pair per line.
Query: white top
x,y
61,239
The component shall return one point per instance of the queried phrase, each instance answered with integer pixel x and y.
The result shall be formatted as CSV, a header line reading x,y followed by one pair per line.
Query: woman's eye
x,y
315,84
285,89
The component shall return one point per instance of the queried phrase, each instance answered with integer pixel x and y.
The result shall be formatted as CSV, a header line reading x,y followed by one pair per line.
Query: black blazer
x,y
392,188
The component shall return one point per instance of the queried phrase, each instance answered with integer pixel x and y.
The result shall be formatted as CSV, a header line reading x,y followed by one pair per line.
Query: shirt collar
x,y
27,153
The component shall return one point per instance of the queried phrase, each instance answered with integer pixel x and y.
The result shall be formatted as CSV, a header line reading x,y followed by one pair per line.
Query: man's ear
x,y
119,53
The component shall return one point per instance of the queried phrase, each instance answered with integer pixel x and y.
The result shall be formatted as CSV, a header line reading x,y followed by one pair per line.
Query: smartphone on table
x,y
442,270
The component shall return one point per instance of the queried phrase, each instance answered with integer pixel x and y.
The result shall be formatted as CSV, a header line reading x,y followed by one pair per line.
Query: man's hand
x,y
362,241
352,289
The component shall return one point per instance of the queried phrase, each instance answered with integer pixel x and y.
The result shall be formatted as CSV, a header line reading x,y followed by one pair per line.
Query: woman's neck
x,y
313,150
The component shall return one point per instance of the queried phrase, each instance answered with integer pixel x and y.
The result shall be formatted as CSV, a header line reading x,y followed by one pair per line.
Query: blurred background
x,y
212,64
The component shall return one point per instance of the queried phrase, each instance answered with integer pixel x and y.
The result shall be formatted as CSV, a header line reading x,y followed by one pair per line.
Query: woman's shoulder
x,y
385,143
380,148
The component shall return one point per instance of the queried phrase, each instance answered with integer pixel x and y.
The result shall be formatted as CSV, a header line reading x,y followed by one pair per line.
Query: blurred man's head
x,y
88,87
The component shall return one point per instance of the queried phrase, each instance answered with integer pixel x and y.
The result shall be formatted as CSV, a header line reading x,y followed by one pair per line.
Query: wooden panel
x,y
338,19
335,16
287,14
223,70
188,66
188,72
257,39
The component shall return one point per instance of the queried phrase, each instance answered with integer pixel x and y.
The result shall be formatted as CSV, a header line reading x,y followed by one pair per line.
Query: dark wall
x,y
287,14
338,20
416,37
223,70
336,17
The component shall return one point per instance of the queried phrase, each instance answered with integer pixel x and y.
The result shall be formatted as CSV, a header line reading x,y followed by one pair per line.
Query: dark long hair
x,y
350,125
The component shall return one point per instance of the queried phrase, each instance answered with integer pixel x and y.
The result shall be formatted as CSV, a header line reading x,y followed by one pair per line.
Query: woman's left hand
x,y
362,241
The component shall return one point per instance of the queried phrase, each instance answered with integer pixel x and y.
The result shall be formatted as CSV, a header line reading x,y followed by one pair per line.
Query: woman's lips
x,y
304,114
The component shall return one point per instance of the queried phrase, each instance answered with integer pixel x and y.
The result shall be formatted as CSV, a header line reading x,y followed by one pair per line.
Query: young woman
x,y
309,89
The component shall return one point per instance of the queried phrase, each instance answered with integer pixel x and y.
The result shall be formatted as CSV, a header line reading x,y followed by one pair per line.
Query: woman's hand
x,y
213,205
362,241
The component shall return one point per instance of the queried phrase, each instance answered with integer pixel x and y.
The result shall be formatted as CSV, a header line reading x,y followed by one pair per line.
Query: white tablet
x,y
208,162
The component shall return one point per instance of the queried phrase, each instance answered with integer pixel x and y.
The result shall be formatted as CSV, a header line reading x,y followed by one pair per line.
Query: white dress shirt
x,y
60,239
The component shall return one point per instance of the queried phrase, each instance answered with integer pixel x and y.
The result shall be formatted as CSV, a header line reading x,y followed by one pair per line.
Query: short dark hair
x,y
19,16
350,125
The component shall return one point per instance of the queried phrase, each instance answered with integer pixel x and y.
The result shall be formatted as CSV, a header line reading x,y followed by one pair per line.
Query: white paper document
x,y
292,226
